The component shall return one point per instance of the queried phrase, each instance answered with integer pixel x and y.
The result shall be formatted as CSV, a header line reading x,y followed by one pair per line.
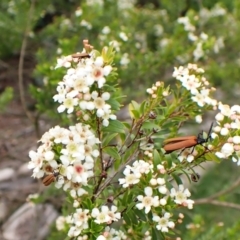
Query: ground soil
x,y
17,137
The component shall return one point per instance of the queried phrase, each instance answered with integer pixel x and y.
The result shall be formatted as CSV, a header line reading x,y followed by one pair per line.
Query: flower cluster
x,y
113,234
77,90
79,221
70,152
201,39
157,194
228,127
163,223
181,197
192,79
153,90
133,173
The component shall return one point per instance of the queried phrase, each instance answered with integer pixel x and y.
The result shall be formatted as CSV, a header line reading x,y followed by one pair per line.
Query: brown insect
x,y
195,177
50,178
81,55
178,143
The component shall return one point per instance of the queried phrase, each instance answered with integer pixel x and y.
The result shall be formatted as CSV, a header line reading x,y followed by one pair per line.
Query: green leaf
x,y
143,107
112,151
127,219
150,125
177,178
156,158
212,157
5,97
156,234
133,108
141,215
107,139
133,217
114,126
136,114
186,175
131,204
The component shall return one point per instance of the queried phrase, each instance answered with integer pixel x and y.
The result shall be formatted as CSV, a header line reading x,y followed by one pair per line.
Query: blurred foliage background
x,y
150,38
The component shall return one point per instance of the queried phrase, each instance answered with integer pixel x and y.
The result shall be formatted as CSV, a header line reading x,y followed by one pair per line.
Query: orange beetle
x,y
50,178
81,55
174,144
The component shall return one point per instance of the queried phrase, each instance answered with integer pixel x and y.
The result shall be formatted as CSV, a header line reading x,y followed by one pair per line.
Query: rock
x,y
30,222
3,210
6,174
24,170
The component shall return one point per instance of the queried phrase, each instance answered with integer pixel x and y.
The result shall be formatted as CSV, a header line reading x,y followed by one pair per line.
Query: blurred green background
x,y
150,38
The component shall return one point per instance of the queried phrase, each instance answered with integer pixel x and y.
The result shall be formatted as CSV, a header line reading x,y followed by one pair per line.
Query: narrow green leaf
x,y
157,235
107,139
112,151
177,179
114,126
212,157
141,215
156,158
186,175
136,114
127,219
148,125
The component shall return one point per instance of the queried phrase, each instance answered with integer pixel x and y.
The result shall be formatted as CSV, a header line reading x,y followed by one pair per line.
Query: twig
x,y
21,63
218,203
210,199
218,194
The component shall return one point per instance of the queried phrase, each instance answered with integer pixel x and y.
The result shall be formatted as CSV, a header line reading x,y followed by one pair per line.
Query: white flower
x,y
130,178
163,223
123,36
60,97
101,217
226,150
219,117
74,149
147,201
236,124
199,99
236,139
79,172
106,30
180,196
78,12
114,215
106,70
141,167
80,218
99,62
63,62
69,104
224,132
125,59
162,187
198,118
60,222
49,155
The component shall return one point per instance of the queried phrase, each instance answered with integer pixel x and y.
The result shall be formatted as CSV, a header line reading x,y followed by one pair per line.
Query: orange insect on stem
x,y
50,178
178,139
81,55
173,144
170,147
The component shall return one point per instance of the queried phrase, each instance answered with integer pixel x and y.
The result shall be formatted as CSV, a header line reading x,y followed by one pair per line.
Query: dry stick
x,y
20,68
20,76
217,203
211,200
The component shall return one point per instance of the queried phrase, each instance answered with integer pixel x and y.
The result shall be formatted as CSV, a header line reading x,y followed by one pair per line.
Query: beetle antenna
x,y
209,132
